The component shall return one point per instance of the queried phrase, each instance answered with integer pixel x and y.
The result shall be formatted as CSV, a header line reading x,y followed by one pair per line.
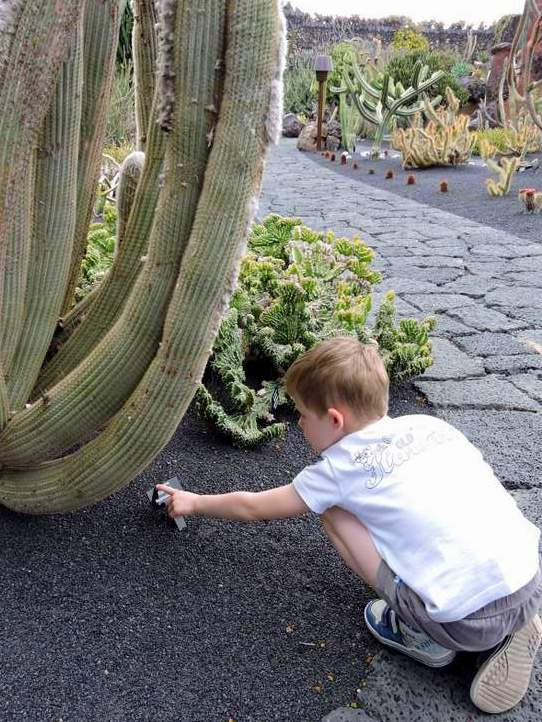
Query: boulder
x,y
307,137
475,87
291,126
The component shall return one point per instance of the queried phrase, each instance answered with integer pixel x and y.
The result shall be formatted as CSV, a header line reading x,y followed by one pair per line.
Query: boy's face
x,y
320,431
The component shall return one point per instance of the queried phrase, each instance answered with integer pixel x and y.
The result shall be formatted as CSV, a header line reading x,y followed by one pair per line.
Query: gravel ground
x,y
111,614
467,195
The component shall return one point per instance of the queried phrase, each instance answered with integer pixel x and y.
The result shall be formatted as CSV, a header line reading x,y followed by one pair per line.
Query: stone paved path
x,y
485,289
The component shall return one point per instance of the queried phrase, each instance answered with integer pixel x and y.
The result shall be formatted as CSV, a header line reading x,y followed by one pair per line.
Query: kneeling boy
x,y
416,512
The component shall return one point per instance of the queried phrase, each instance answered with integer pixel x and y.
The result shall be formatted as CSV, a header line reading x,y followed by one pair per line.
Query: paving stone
x,y
530,383
434,275
529,316
490,270
437,261
503,251
485,319
513,364
489,392
530,503
504,437
492,344
408,285
401,251
451,363
532,337
438,302
525,278
474,286
399,690
447,326
517,296
526,264
347,714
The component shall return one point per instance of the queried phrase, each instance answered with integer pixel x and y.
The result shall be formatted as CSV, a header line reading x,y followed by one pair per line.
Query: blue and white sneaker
x,y
388,628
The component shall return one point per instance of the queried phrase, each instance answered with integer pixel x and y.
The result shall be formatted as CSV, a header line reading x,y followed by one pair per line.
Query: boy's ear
x,y
336,418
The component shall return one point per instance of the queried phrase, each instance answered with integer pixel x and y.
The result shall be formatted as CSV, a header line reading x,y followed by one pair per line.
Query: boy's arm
x,y
279,503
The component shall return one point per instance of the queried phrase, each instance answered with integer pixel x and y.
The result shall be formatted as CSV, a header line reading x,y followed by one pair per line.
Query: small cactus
x,y
443,186
327,154
531,199
411,180
371,171
355,166
344,158
332,157
390,175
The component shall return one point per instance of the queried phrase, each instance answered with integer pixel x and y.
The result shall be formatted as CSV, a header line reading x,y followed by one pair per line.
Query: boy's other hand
x,y
180,503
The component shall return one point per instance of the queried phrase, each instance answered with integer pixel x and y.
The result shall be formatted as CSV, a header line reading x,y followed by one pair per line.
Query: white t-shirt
x,y
435,511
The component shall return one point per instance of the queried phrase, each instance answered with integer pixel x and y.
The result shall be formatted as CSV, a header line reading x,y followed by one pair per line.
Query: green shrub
x,y
300,88
402,68
296,287
100,250
409,39
497,137
121,124
459,70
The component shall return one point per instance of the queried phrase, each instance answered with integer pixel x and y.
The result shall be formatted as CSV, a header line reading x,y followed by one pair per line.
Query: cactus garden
x,y
172,240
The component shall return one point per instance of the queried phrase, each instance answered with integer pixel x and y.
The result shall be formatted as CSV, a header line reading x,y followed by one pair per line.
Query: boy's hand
x,y
180,503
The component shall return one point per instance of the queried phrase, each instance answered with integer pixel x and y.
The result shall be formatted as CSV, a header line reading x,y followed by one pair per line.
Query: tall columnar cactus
x,y
381,101
119,385
444,141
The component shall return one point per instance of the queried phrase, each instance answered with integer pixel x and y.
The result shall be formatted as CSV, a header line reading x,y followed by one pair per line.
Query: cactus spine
x,y
200,214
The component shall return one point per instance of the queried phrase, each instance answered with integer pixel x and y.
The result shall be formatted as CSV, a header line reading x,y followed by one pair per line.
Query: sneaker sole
x,y
504,678
427,661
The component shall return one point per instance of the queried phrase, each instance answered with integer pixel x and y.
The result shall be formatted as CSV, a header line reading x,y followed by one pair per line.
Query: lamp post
x,y
322,66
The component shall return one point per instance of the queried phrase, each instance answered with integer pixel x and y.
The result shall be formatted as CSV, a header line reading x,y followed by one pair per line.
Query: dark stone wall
x,y
309,33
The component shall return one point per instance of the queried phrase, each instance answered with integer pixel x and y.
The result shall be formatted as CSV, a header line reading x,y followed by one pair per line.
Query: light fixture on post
x,y
322,66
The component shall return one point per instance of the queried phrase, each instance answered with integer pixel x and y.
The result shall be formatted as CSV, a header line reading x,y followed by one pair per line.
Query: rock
x,y
333,143
307,137
291,126
475,87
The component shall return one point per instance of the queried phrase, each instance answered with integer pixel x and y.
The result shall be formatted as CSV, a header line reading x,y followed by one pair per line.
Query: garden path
x,y
484,287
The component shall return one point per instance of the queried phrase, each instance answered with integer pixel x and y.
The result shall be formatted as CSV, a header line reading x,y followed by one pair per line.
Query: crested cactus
x,y
444,141
382,101
119,385
505,173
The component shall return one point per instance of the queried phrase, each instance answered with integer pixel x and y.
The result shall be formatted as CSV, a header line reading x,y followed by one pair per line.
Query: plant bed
x,y
112,614
467,195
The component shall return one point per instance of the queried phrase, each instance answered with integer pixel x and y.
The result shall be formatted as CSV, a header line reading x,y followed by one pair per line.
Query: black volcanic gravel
x,y
466,197
112,615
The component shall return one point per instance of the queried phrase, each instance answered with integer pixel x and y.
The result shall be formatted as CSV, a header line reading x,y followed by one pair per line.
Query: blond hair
x,y
338,370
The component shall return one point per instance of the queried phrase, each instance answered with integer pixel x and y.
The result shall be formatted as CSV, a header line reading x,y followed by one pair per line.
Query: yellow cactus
x,y
444,141
505,171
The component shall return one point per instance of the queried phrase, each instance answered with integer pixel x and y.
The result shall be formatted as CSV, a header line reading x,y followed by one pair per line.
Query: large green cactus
x,y
119,385
381,100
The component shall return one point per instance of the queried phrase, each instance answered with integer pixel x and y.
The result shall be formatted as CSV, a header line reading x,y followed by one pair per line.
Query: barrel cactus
x,y
80,418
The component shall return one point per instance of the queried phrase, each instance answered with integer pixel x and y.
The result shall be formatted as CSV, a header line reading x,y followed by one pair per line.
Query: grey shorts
x,y
481,630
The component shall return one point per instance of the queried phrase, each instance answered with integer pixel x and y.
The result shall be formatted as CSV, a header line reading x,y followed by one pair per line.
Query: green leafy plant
x,y
409,39
403,69
461,69
300,88
298,286
99,253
